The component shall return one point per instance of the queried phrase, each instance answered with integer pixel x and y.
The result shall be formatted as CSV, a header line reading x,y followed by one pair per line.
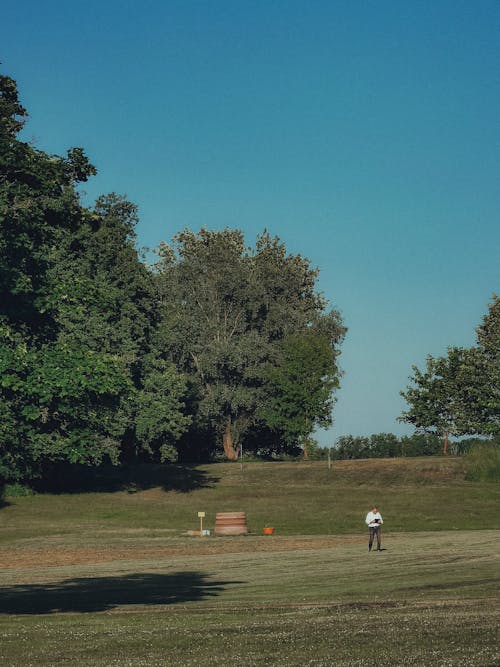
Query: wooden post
x,y
201,516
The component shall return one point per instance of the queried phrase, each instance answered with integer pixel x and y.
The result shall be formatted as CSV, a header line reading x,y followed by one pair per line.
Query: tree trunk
x,y
229,450
445,443
306,451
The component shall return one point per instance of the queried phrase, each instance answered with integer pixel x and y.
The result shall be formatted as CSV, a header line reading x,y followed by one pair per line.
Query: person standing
x,y
374,521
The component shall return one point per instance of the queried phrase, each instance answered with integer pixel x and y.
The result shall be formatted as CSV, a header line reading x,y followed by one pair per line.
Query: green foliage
x,y
482,463
386,445
57,403
101,295
421,444
159,419
37,200
460,393
77,316
488,370
17,490
102,358
235,322
301,386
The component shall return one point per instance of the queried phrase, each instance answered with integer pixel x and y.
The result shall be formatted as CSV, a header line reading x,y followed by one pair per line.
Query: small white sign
x,y
201,515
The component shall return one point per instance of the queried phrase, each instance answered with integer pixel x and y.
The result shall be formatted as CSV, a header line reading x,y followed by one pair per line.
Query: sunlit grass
x,y
295,498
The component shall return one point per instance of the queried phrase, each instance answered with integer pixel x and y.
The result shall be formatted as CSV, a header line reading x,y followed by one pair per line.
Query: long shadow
x,y
104,593
131,478
3,501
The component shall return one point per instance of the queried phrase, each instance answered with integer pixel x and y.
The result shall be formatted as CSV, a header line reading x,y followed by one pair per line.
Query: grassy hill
x,y
296,498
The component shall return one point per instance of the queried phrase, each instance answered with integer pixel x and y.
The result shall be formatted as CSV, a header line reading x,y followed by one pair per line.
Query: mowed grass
x,y
112,579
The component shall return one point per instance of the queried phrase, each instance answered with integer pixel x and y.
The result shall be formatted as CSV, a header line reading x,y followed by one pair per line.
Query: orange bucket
x,y
268,531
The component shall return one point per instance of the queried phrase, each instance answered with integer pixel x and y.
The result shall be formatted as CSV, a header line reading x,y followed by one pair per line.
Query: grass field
x,y
110,578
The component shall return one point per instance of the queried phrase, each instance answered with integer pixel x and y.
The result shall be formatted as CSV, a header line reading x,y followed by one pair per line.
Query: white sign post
x,y
201,516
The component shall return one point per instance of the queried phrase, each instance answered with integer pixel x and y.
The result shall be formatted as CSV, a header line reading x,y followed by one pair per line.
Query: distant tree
x,y
433,399
488,370
100,293
420,444
459,394
384,445
352,447
227,310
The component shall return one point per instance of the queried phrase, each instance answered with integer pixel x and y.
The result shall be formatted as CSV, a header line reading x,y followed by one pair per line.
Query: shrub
x,y
482,463
17,490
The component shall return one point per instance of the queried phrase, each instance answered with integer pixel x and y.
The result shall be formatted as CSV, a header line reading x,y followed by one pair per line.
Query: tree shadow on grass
x,y
64,478
3,501
105,593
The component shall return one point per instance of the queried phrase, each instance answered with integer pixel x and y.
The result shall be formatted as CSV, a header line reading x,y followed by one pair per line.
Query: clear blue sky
x,y
366,135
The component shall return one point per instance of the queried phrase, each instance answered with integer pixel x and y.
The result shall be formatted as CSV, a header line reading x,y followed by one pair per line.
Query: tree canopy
x,y
460,392
236,319
103,357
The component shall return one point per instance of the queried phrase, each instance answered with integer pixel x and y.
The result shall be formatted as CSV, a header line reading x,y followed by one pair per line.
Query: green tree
x,y
101,295
104,300
384,445
301,386
37,199
59,404
77,314
488,370
459,394
352,447
432,399
160,418
227,309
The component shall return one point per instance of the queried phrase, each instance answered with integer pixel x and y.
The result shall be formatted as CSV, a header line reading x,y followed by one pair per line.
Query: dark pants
x,y
374,532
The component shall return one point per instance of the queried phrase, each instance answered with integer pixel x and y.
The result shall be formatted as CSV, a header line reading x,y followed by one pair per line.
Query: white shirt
x,y
370,519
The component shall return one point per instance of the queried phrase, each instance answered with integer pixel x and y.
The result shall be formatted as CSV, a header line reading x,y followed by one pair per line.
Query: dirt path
x,y
25,557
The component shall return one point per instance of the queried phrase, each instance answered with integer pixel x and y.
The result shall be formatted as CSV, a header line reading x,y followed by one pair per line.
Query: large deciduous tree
x,y
230,314
47,390
104,300
37,200
77,311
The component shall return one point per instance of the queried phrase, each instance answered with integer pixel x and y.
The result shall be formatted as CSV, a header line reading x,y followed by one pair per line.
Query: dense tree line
x,y
389,445
218,347
459,394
